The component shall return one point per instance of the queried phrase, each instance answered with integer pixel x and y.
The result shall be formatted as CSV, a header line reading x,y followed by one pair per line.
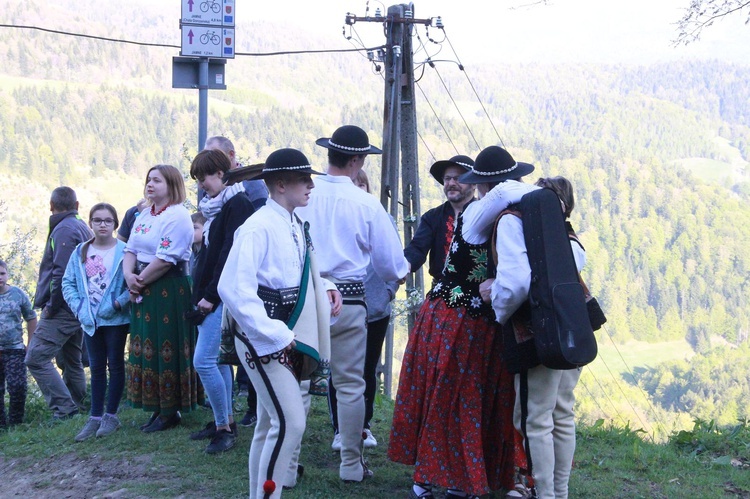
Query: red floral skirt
x,y
454,408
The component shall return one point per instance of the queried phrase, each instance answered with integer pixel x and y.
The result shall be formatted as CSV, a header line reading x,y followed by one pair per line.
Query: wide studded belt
x,y
279,303
351,288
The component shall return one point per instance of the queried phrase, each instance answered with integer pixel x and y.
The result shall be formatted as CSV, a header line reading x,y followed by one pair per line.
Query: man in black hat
x,y
435,230
550,426
350,230
269,275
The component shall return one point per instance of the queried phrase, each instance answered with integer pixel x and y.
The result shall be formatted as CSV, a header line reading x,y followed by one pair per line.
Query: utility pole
x,y
400,161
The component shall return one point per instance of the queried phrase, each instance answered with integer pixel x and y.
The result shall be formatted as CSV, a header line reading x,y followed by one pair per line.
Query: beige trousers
x,y
550,427
348,346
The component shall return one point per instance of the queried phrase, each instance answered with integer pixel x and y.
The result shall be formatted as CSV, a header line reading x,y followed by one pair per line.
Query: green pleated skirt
x,y
160,373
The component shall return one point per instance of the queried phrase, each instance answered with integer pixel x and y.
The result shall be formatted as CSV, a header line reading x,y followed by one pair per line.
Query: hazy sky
x,y
637,31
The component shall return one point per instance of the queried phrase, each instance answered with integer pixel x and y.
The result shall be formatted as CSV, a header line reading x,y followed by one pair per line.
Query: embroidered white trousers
x,y
281,421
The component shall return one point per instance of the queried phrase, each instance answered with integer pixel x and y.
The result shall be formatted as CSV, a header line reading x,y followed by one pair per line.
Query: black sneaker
x,y
249,419
207,432
221,442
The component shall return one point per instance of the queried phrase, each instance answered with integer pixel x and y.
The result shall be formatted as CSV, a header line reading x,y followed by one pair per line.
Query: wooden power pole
x,y
400,160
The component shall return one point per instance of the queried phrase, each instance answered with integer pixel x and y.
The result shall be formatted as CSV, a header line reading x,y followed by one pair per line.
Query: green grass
x,y
42,459
637,354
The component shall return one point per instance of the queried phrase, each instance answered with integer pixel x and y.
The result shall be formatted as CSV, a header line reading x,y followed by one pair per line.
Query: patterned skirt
x,y
160,373
454,408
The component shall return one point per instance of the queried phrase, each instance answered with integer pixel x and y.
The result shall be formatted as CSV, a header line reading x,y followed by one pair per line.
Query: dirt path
x,y
68,476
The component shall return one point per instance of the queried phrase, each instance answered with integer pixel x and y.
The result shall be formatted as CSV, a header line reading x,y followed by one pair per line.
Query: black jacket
x,y
431,236
211,259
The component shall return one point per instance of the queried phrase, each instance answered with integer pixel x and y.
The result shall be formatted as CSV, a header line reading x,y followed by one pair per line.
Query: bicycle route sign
x,y
207,41
207,28
208,12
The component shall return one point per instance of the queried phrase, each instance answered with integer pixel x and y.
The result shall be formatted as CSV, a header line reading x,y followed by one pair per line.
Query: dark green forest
x,y
658,156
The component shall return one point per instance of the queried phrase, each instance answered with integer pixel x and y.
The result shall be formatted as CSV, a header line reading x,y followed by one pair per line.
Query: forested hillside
x,y
658,155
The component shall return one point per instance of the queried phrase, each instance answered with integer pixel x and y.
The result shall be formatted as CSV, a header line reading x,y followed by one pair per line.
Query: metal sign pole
x,y
202,102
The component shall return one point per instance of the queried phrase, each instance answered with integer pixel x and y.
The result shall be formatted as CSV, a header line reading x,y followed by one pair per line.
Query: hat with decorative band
x,y
495,164
287,160
437,170
349,139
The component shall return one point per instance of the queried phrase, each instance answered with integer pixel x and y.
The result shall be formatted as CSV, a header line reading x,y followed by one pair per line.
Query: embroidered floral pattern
x,y
165,243
167,351
465,268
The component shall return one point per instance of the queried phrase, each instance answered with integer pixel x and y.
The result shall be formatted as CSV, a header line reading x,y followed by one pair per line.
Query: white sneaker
x,y
336,445
369,439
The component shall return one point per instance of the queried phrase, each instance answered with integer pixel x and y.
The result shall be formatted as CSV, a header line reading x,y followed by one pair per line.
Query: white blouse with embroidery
x,y
167,235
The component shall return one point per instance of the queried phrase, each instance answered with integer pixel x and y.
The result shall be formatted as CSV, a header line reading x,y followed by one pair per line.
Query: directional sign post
x,y
207,28
207,41
210,12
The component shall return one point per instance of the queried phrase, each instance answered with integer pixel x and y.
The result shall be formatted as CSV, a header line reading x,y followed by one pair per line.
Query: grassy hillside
x,y
610,463
658,156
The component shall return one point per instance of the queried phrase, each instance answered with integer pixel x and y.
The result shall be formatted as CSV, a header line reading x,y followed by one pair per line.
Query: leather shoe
x,y
151,419
161,424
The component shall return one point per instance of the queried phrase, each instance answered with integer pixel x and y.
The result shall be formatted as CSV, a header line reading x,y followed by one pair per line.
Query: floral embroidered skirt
x,y
160,373
454,408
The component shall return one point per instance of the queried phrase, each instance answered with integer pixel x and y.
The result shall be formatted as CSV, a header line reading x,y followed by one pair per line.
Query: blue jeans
x,y
107,348
216,379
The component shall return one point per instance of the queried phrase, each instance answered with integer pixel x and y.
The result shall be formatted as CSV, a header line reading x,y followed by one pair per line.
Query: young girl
x,y
94,287
14,306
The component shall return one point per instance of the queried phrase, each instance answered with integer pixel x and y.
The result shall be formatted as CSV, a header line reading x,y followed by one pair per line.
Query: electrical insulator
x,y
378,12
408,14
397,50
370,55
439,22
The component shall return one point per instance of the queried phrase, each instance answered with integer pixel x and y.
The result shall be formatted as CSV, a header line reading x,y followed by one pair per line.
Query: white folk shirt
x,y
350,228
264,253
167,236
480,216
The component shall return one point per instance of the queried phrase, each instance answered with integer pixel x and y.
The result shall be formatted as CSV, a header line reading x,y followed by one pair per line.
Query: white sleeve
x,y
513,280
386,252
578,254
238,289
480,215
175,237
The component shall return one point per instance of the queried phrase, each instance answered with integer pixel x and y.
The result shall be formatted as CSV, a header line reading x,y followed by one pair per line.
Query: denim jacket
x,y
75,292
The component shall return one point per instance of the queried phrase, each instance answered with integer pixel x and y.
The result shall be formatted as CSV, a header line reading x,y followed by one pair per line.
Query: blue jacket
x,y
76,294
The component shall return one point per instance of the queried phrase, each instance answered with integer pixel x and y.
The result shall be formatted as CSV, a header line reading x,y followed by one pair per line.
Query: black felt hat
x,y
287,160
349,139
437,170
495,164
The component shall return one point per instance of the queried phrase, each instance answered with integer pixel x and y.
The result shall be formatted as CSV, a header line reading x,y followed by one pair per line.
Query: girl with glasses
x,y
94,288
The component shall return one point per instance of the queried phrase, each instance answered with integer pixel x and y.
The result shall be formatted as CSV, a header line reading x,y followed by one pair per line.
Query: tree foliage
x,y
701,14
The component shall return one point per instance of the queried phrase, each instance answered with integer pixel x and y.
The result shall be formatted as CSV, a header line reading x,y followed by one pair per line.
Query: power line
x,y
437,117
653,411
617,384
591,396
463,70
455,104
607,397
164,45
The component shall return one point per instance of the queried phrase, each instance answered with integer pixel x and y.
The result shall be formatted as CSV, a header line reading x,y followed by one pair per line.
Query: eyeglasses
x,y
448,178
102,221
